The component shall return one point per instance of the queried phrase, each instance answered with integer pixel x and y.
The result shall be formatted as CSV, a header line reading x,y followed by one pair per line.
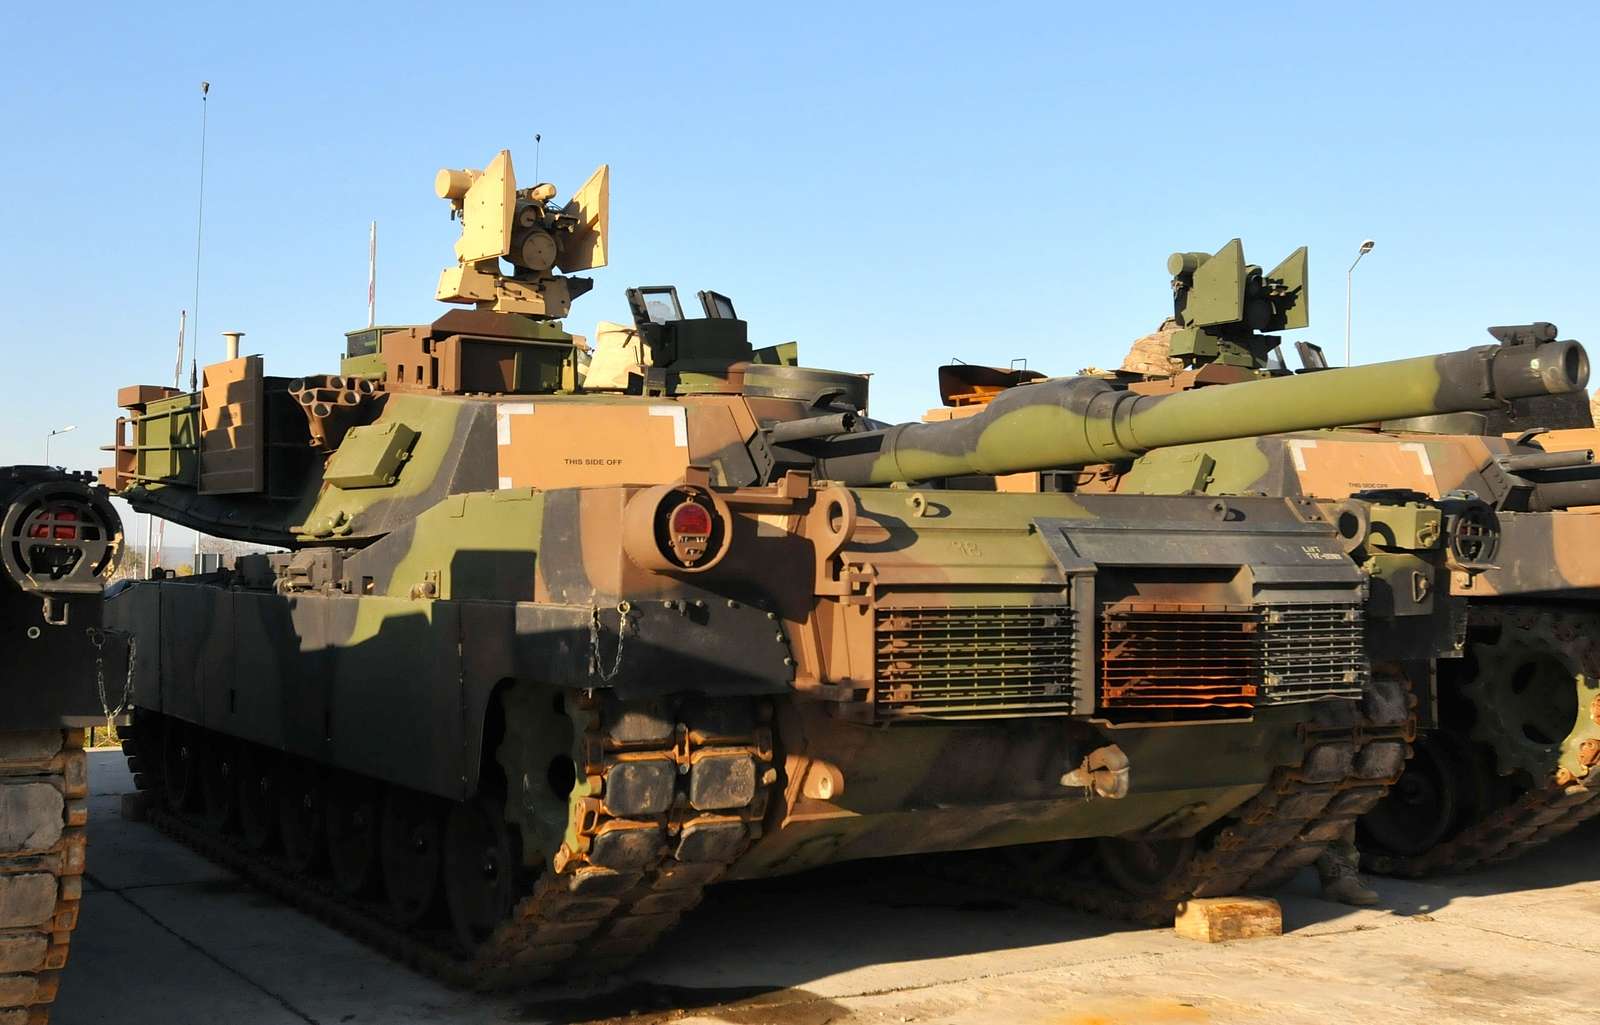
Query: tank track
x,y
43,811
1352,754
1553,808
607,899
1535,818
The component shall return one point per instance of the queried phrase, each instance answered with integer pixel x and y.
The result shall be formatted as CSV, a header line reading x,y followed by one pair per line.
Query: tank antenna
x,y
538,141
199,219
177,367
372,275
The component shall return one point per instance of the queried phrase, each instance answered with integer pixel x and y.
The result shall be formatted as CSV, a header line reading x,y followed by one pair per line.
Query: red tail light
x,y
59,524
690,518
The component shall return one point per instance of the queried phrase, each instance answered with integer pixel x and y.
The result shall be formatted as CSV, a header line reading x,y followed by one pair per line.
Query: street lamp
x,y
47,437
1366,247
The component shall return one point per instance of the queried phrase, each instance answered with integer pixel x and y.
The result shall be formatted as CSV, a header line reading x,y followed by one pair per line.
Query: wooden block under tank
x,y
1217,919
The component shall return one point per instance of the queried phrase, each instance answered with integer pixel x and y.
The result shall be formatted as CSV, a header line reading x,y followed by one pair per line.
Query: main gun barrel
x,y
1079,421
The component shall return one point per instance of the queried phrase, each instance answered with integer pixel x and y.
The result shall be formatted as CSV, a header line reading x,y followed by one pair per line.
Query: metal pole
x,y
52,434
1348,277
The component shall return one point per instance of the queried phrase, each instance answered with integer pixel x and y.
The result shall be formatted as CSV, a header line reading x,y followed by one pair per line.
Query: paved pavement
x,y
167,938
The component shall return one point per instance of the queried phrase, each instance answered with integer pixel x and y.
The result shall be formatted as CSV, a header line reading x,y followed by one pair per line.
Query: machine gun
x,y
526,229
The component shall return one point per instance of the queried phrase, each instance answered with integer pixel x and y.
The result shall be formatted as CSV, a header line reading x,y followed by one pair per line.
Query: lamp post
x,y
1366,247
47,437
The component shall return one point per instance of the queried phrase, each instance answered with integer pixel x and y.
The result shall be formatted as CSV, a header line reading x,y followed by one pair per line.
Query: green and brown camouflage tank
x,y
59,542
1513,731
561,633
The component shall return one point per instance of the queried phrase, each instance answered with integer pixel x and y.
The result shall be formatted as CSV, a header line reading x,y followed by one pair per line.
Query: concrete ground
x,y
167,938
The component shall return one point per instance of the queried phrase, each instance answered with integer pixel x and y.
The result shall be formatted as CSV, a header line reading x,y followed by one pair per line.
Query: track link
x,y
1352,753
621,881
1556,805
43,811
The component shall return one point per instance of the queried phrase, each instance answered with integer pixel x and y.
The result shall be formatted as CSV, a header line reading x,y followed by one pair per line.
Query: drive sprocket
x,y
1533,692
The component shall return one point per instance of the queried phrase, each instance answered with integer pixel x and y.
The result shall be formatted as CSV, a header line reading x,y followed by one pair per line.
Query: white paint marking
x,y
1422,456
1297,449
680,423
502,419
505,484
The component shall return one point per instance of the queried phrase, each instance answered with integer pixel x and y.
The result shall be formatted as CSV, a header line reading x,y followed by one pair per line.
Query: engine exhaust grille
x,y
1167,659
1196,660
1311,652
979,662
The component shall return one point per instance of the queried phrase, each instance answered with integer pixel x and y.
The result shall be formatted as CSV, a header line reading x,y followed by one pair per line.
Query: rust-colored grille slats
x,y
1178,656
973,662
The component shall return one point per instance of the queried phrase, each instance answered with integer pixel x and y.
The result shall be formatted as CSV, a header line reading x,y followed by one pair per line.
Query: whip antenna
x,y
372,275
200,214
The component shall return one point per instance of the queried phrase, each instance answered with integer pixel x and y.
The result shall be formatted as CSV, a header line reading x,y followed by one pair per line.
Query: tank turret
x,y
621,639
1079,421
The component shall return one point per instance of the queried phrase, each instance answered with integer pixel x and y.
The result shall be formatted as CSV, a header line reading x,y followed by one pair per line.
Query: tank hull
x,y
61,673
1503,768
743,723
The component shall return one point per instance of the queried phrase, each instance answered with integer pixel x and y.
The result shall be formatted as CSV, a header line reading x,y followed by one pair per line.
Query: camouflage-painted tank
x,y
1512,731
563,633
59,541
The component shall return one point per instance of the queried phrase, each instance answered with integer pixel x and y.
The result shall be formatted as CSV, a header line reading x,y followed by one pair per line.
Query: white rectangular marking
x,y
680,423
1297,449
502,419
1422,456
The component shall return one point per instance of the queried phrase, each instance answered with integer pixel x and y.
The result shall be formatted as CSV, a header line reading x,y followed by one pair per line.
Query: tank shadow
x,y
801,934
799,931
1563,862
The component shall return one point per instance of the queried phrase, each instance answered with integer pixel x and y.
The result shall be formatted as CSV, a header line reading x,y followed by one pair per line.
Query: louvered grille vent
x,y
1312,652
1214,661
1160,658
973,663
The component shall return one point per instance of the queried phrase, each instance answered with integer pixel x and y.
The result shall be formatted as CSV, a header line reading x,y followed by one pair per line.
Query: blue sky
x,y
889,185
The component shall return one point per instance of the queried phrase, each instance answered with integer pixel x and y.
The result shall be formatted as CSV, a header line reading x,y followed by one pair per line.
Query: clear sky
x,y
889,185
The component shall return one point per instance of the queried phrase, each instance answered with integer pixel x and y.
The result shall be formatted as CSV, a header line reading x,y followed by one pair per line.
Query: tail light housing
x,y
676,528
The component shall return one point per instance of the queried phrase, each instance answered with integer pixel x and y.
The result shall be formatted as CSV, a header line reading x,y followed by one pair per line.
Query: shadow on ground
x,y
782,951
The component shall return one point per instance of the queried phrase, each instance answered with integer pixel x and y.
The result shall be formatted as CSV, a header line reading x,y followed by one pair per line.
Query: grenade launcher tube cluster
x,y
1079,421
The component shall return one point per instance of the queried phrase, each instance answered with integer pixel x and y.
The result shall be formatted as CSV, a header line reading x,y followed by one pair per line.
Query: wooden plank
x,y
1219,919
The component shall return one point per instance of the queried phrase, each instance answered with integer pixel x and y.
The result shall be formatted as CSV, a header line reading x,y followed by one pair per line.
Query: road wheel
x,y
258,797
219,782
1143,867
180,765
480,869
301,815
353,815
411,845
